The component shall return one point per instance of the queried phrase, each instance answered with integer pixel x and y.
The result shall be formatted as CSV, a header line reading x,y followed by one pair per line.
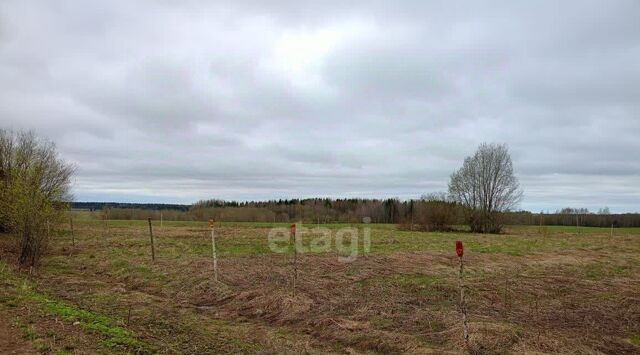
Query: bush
x,y
437,213
434,212
35,191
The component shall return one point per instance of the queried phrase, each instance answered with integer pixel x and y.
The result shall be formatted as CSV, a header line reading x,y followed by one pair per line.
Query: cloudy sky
x,y
175,101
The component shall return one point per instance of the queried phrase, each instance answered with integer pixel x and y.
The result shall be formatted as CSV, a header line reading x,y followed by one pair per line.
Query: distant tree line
x,y
97,206
576,217
316,210
433,212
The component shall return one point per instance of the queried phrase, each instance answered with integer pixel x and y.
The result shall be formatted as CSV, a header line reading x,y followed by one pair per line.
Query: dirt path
x,y
10,340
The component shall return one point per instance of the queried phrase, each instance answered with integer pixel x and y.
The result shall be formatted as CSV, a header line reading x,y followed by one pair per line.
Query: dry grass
x,y
554,293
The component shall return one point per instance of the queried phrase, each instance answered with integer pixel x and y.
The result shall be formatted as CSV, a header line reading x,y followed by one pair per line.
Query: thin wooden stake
x,y
541,218
73,237
463,305
153,249
504,296
105,224
611,230
213,249
295,257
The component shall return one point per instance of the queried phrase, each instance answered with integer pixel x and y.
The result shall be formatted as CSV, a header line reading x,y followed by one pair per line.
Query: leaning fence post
x,y
213,249
463,306
153,250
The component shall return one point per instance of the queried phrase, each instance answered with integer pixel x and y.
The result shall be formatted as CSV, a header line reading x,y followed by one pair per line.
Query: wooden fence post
x,y
213,249
463,306
295,257
541,221
73,237
105,224
153,249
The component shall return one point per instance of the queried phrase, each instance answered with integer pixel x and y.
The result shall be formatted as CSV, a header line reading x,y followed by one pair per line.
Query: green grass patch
x,y
115,336
29,333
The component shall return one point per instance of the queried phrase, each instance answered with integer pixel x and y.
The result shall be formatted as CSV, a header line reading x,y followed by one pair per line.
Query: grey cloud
x,y
158,101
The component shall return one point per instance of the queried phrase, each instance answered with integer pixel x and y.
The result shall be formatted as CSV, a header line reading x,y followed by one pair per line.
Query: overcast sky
x,y
175,101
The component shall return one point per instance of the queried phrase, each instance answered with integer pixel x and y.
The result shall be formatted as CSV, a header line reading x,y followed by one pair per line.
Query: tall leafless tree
x,y
486,186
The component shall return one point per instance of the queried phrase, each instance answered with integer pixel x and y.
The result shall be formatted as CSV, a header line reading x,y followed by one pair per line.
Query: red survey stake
x,y
459,248
463,305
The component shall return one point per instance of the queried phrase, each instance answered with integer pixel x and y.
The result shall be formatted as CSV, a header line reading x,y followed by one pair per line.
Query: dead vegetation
x,y
559,294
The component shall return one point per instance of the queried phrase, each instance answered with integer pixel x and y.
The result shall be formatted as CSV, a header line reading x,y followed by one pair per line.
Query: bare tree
x,y
35,191
486,186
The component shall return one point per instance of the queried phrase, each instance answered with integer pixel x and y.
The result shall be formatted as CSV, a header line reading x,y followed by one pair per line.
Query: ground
x,y
10,340
532,289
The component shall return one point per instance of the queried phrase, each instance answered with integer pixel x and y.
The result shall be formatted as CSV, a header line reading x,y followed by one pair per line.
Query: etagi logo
x,y
345,241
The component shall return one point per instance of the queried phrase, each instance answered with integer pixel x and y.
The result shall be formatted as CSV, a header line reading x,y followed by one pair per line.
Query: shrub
x,y
35,191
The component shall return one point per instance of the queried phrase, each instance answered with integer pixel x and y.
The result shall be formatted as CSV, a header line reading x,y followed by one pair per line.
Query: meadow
x,y
531,289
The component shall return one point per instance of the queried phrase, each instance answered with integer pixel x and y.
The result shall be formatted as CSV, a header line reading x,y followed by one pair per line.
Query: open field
x,y
545,290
